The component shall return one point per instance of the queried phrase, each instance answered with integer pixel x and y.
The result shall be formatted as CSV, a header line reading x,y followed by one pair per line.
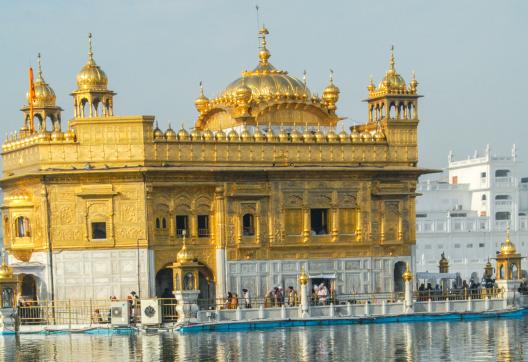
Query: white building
x,y
466,212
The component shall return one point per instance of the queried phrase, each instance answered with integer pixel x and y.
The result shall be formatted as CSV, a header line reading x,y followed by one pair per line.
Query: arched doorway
x,y
206,298
164,284
399,269
29,287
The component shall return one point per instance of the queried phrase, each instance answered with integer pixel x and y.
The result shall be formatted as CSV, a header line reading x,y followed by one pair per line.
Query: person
x,y
278,297
229,299
292,297
234,301
247,299
132,304
315,297
96,317
322,294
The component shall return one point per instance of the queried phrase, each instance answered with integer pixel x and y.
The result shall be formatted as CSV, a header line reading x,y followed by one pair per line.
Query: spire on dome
x,y
39,68
264,53
392,62
90,49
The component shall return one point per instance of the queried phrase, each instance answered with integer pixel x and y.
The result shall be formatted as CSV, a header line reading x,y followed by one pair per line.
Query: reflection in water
x,y
501,339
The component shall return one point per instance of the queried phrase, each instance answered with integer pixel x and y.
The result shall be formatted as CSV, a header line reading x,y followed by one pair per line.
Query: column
x,y
304,310
306,224
220,254
335,223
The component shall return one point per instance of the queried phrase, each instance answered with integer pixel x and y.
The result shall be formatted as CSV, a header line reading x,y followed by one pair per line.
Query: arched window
x,y
483,198
248,228
502,173
164,223
157,223
23,227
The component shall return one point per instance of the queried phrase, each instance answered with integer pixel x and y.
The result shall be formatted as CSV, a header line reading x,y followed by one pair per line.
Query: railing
x,y
203,233
503,203
459,294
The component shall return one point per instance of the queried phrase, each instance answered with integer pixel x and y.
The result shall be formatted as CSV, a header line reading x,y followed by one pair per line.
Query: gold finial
x,y
303,277
331,76
392,62
90,48
264,54
201,89
304,78
39,67
407,275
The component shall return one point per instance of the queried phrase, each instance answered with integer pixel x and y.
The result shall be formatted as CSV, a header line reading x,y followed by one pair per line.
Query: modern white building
x,y
466,211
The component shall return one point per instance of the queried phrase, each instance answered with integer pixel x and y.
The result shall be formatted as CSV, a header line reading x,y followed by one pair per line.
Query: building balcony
x,y
506,181
503,203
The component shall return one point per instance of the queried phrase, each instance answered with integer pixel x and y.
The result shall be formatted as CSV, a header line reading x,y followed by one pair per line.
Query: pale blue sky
x,y
470,57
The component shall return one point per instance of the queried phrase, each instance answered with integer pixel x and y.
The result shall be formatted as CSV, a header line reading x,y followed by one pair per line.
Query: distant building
x,y
466,214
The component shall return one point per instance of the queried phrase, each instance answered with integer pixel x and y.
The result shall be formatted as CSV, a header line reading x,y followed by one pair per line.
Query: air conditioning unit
x,y
150,312
119,313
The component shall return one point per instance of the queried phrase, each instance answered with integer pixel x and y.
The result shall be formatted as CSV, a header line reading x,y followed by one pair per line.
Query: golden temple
x,y
263,186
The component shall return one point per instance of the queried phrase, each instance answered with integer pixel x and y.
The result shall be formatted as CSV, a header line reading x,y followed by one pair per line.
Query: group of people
x,y
276,297
321,295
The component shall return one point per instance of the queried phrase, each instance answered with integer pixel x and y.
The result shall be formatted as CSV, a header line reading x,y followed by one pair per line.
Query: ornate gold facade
x,y
263,163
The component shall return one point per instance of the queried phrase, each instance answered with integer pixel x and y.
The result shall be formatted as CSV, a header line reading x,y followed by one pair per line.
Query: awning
x,y
426,275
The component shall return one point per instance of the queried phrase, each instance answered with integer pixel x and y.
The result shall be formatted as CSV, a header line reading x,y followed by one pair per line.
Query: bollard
x,y
261,312
447,305
332,310
487,303
367,312
219,315
283,312
383,307
429,306
238,314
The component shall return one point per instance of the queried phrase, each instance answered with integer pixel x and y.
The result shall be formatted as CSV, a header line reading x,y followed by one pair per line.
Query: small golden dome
x,y
44,94
343,137
57,136
303,277
371,87
507,247
355,136
283,136
220,136
295,135
366,136
331,93
392,82
245,135
233,135
407,275
243,94
43,136
183,135
308,136
259,135
196,135
69,136
170,134
208,135
270,135
413,84
6,272
332,136
320,136
158,133
379,136
91,76
202,102
184,256
443,264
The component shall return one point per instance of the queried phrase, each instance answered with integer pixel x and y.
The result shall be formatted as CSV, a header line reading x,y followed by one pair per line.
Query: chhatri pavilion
x,y
266,183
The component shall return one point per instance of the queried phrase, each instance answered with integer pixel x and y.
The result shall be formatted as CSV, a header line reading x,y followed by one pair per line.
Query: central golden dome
x,y
265,80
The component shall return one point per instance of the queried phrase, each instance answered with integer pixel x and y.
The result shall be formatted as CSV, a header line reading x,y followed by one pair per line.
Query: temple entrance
x,y
399,269
29,287
164,284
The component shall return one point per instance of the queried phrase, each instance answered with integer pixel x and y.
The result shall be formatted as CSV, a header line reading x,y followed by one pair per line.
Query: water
x,y
484,340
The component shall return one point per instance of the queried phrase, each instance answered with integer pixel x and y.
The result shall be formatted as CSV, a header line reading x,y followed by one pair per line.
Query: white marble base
x,y
9,321
187,307
511,292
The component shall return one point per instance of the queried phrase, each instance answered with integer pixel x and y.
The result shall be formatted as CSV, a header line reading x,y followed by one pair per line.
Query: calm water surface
x,y
501,340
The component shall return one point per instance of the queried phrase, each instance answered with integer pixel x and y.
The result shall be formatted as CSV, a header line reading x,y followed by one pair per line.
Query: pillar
x,y
305,304
306,225
408,302
220,253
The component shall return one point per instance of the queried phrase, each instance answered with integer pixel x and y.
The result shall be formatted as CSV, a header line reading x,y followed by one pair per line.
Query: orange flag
x,y
31,100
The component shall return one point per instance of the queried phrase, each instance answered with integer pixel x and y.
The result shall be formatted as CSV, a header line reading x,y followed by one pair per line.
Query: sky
x,y
470,58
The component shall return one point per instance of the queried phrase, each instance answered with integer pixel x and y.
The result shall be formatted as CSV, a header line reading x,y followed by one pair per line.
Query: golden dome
x,y
43,136
371,87
331,93
170,134
184,256
319,135
366,136
158,134
6,272
243,94
283,136
507,247
220,136
91,76
57,136
392,82
265,80
183,135
245,135
308,136
259,135
208,135
69,136
379,135
407,275
331,135
355,136
295,135
413,84
233,135
202,102
270,135
44,94
343,137
196,135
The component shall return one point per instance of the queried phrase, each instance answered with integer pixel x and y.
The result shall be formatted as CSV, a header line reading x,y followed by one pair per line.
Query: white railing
x,y
503,203
504,181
